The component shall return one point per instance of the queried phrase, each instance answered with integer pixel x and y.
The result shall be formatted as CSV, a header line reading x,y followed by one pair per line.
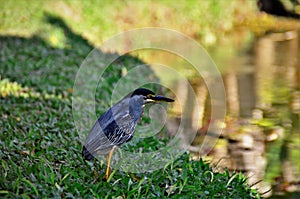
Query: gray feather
x,y
114,127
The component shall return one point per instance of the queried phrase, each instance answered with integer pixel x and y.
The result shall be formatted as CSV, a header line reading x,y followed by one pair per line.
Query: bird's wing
x,y
111,129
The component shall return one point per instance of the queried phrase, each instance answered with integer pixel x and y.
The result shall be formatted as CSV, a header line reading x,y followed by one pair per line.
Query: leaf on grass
x,y
31,185
67,175
3,192
230,180
57,186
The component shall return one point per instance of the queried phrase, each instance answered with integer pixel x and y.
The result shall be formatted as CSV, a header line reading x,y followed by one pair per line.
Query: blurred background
x,y
255,45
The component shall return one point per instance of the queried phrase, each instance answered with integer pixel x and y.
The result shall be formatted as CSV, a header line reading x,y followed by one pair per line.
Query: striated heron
x,y
117,125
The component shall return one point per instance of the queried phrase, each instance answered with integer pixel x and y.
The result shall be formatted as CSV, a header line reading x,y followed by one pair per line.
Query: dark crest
x,y
142,91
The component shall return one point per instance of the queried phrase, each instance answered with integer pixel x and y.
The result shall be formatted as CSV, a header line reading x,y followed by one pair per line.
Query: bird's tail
x,y
86,154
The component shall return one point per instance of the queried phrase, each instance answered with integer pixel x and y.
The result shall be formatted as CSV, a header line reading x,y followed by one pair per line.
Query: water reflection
x,y
262,128
264,140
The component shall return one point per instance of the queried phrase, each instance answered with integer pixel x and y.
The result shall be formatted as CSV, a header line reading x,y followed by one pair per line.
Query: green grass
x,y
40,149
99,20
40,157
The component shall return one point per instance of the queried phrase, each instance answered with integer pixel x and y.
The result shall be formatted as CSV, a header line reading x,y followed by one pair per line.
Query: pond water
x,y
261,131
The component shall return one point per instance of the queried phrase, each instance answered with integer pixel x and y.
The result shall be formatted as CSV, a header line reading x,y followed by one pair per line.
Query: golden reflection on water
x,y
262,128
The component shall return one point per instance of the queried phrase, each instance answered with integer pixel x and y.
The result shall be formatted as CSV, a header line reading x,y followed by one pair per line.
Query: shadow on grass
x,y
39,144
35,63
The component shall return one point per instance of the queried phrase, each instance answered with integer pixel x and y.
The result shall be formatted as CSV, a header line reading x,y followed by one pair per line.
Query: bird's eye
x,y
149,96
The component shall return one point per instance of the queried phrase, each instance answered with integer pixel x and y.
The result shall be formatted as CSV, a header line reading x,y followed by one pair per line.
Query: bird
x,y
117,125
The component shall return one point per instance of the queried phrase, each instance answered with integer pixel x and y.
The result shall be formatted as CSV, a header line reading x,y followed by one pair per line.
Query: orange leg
x,y
107,172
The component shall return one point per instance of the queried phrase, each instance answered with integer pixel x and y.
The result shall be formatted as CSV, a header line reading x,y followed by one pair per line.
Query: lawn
x,y
41,51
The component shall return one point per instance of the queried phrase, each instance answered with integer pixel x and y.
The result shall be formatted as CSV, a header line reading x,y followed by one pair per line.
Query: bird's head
x,y
149,96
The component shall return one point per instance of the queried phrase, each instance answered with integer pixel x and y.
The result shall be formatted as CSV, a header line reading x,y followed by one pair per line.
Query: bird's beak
x,y
158,98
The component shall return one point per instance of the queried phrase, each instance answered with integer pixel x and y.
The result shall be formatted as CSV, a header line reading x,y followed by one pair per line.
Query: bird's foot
x,y
107,174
